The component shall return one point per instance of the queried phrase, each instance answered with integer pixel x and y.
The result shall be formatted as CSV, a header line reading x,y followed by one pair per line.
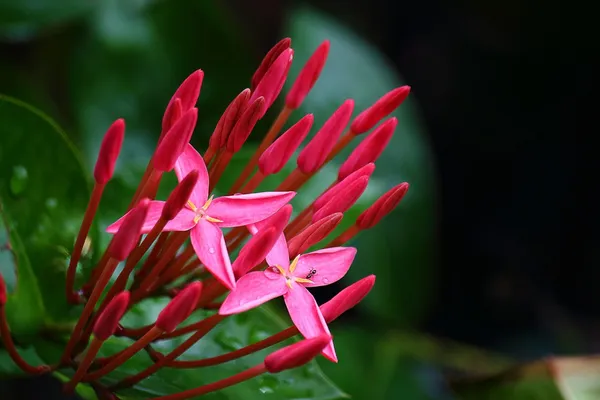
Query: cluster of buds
x,y
189,237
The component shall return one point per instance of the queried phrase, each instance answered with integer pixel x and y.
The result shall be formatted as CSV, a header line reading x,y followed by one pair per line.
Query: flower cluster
x,y
182,247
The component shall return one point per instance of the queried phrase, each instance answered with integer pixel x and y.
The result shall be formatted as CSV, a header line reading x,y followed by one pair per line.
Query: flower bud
x,y
379,110
344,200
3,294
297,354
313,234
244,126
278,220
383,206
272,82
173,144
129,232
178,309
369,149
315,153
179,196
277,154
109,152
255,251
108,321
347,298
308,76
172,115
269,59
367,171
227,121
188,93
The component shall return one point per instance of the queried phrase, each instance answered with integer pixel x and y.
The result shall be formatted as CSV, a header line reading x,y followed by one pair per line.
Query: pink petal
x,y
307,317
252,290
279,254
184,221
209,244
188,161
331,265
246,209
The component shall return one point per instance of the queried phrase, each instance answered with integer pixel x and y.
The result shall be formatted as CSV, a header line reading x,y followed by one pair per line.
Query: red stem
x,y
84,365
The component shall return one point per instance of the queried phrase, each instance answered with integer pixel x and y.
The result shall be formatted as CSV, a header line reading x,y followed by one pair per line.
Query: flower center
x,y
201,212
289,278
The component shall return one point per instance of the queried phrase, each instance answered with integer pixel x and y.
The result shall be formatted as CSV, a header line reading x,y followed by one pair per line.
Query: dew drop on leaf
x,y
18,180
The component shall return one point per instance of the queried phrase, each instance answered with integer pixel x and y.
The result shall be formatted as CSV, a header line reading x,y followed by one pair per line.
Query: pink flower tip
x,y
277,154
383,206
244,126
108,321
343,200
347,298
312,157
188,92
379,110
109,152
173,143
255,251
129,232
308,76
269,59
178,309
341,186
273,80
3,294
313,234
232,113
297,354
180,196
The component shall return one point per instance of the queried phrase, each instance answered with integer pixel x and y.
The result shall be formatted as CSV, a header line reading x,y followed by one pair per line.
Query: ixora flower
x,y
290,280
151,239
204,216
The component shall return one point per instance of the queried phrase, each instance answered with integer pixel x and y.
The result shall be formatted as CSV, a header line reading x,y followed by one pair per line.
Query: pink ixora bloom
x,y
206,216
290,280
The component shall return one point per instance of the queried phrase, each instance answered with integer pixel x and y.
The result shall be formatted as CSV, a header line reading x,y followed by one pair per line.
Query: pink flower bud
x,y
178,309
344,199
272,82
255,251
297,354
313,234
383,206
308,76
179,196
3,294
244,126
108,321
277,154
347,298
227,121
278,220
366,170
315,153
172,115
369,149
109,152
379,110
269,59
188,92
172,145
129,232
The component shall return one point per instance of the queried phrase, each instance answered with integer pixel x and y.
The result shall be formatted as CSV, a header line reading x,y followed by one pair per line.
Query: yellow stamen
x,y
303,280
197,218
192,206
289,283
294,263
281,270
211,219
210,199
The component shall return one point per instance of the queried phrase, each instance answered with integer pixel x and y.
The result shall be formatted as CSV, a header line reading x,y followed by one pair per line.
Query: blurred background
x,y
492,256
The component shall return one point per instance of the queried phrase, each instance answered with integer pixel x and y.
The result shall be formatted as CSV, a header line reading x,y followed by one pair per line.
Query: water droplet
x,y
51,202
18,180
211,250
268,383
325,281
272,273
266,390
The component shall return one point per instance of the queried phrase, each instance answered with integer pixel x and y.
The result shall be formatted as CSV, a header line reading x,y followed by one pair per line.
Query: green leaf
x,y
400,249
307,382
44,192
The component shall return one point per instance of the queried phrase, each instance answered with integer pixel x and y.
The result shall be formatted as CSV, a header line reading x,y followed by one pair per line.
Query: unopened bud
x,y
379,110
3,294
172,114
315,153
255,251
129,232
188,92
297,354
109,152
277,154
244,126
383,206
272,82
313,234
323,199
347,298
227,121
369,149
278,220
108,321
269,59
173,144
344,200
180,196
178,309
308,76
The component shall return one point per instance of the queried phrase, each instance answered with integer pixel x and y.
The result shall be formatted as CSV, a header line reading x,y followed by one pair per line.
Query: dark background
x,y
497,87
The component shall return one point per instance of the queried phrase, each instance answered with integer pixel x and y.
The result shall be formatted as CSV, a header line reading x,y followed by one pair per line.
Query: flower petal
x,y
252,290
331,265
188,161
307,317
209,244
246,209
182,222
279,253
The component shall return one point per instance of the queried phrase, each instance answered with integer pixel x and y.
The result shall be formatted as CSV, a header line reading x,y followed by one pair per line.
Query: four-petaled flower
x,y
290,280
206,216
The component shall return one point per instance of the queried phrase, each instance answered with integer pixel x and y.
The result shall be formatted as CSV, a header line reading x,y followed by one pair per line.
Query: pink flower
x,y
205,216
290,280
